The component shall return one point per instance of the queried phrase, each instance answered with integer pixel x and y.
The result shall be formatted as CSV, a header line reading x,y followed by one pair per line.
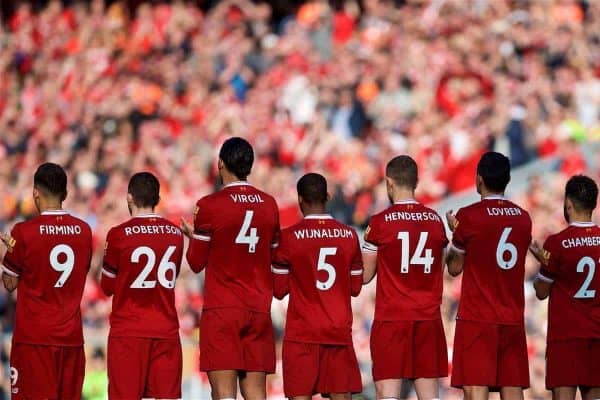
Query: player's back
x,y
409,239
144,254
241,223
321,254
574,305
495,233
51,254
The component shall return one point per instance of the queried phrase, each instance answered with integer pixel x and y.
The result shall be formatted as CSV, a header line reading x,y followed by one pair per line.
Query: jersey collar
x,y
54,212
494,197
410,201
238,183
151,215
318,216
582,224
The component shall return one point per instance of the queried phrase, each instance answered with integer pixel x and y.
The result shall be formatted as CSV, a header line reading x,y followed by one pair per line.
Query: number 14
x,y
421,256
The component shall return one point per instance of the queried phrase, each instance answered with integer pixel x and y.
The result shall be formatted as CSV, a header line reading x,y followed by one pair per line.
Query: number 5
x,y
324,266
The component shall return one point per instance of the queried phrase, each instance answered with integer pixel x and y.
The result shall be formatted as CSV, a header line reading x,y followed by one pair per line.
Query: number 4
x,y
243,237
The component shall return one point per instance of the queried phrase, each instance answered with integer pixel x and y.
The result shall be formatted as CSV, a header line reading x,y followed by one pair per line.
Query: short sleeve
x,y
281,260
371,237
550,261
110,262
14,258
203,227
460,236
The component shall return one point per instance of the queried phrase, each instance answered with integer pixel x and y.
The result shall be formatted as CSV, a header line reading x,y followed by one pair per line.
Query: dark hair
x,y
583,192
144,188
494,169
403,171
238,156
51,179
312,188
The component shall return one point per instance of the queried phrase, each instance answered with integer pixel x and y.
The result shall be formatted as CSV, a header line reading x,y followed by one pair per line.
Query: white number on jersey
x,y
247,235
164,266
421,256
505,247
584,291
66,267
322,265
14,376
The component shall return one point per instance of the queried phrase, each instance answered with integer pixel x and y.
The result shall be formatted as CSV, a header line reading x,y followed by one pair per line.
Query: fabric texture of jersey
x,y
321,255
570,258
409,240
144,255
51,255
495,235
240,224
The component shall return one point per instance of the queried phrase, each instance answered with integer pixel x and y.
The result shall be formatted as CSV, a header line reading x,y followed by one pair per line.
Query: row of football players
x,y
235,237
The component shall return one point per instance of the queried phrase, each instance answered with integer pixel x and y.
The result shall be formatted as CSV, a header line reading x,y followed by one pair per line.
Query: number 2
x,y
243,237
584,292
322,265
65,267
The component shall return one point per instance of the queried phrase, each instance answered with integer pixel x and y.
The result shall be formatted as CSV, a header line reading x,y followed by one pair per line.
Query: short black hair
x,y
145,189
494,169
312,187
583,192
238,157
52,179
403,171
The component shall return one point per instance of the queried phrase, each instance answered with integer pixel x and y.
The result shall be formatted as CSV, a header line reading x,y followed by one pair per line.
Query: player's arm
x,y
110,264
199,235
455,254
369,254
356,271
11,265
545,278
280,268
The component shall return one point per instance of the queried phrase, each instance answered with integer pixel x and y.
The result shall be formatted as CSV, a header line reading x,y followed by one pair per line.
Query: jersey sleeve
x,y
281,269
550,261
197,254
110,262
356,271
460,237
13,262
277,232
371,237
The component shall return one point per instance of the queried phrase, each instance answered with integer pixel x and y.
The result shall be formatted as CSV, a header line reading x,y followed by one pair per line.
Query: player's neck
x,y
580,218
486,193
45,206
229,179
314,210
136,212
402,194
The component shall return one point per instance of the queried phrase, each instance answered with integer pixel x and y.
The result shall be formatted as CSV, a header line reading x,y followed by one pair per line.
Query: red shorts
x,y
46,372
310,368
144,367
574,362
408,350
238,339
489,355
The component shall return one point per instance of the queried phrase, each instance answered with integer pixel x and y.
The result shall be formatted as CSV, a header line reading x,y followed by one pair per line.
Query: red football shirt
x,y
51,255
495,235
143,255
409,240
321,256
570,260
235,231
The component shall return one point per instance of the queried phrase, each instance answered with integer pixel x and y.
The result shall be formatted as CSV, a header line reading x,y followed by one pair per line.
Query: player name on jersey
x,y
311,233
246,198
151,230
60,230
585,241
502,211
411,216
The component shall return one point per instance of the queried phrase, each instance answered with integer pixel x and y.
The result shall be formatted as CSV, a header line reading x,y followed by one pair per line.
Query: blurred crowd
x,y
337,87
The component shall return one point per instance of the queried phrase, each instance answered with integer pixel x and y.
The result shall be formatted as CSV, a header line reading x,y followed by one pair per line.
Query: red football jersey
x,y
570,261
321,256
235,231
409,239
51,255
143,255
495,235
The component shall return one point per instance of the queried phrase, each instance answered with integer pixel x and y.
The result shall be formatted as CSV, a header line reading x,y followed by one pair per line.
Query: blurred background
x,y
108,88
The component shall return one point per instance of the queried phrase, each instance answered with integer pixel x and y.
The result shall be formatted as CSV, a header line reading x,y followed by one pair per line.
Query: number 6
x,y
504,247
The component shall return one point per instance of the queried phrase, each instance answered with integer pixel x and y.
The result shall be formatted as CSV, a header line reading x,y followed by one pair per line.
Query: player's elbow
x,y
542,290
196,267
454,270
10,282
